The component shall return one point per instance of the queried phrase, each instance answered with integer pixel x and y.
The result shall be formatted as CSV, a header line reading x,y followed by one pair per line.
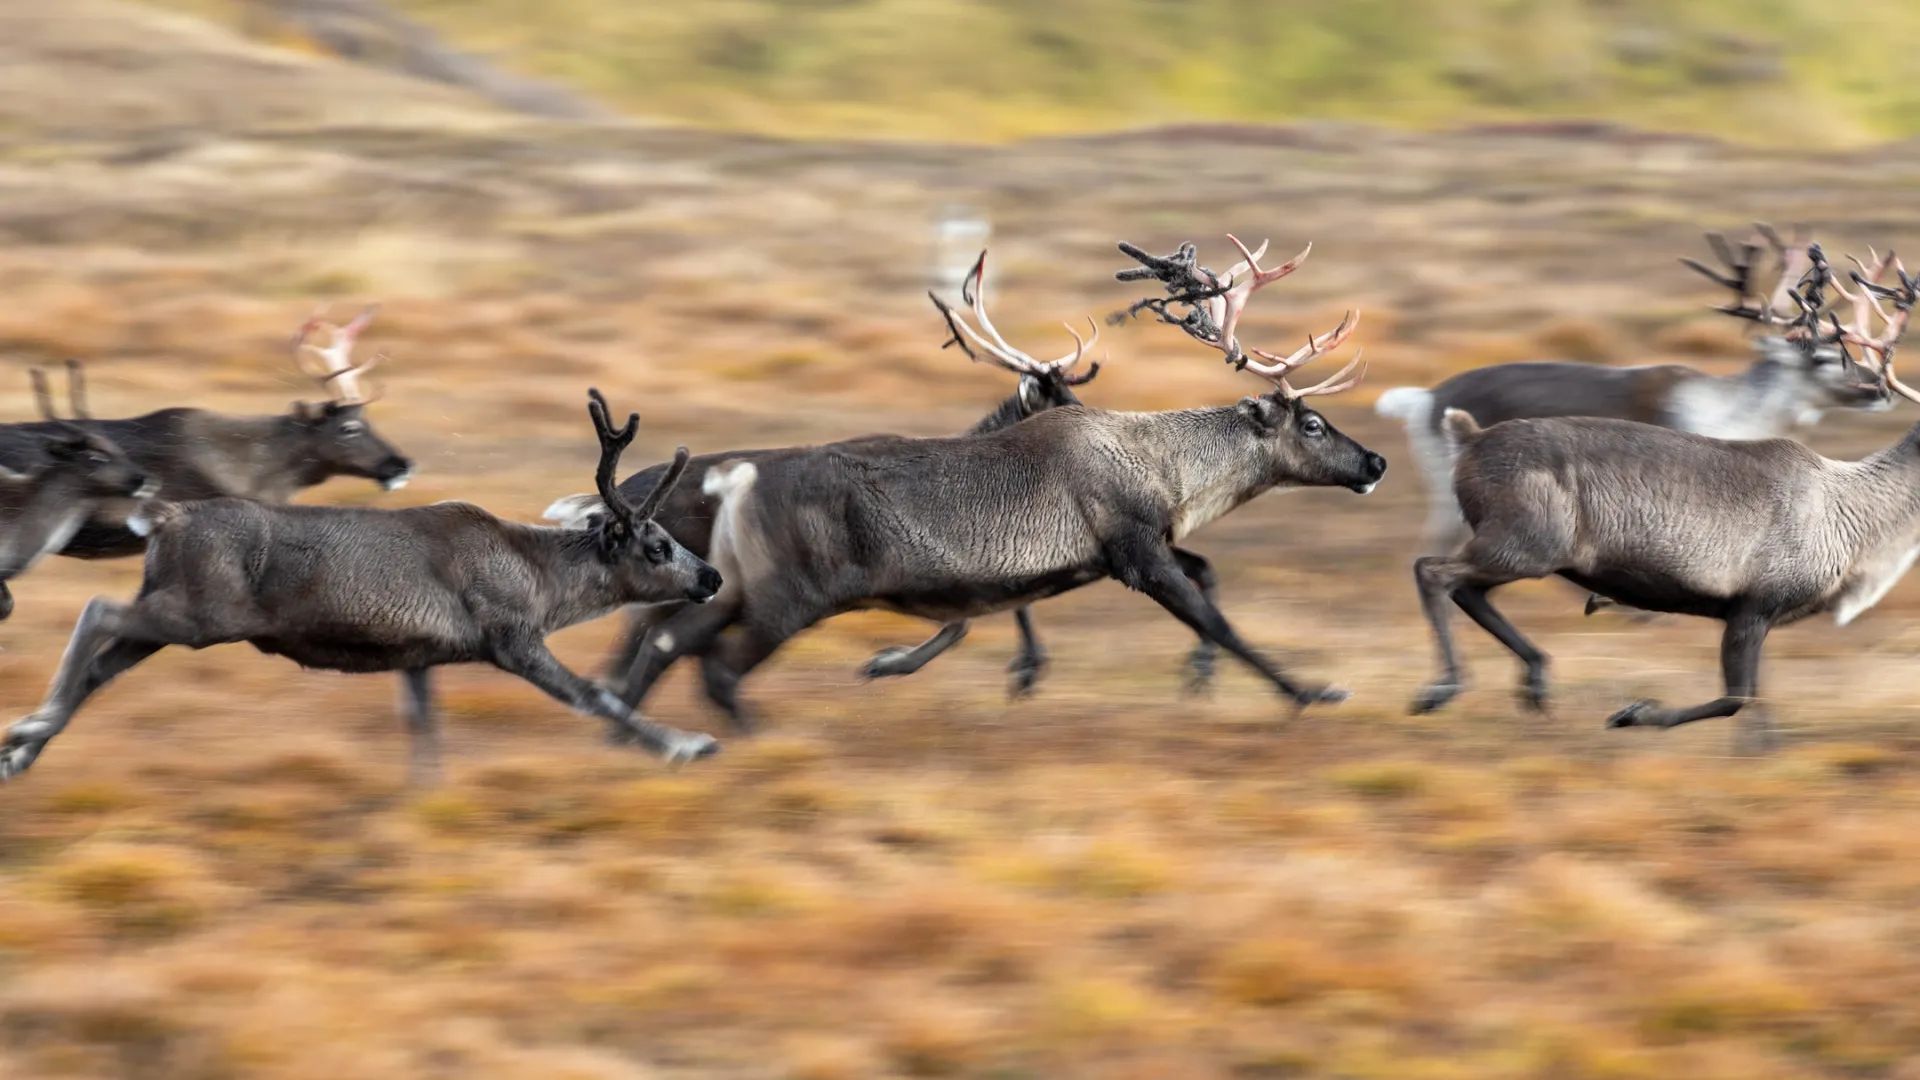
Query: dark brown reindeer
x,y
690,511
955,528
197,454
74,471
1786,384
364,590
1757,533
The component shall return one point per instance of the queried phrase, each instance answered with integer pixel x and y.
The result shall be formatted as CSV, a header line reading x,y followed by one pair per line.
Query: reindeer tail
x,y
1459,428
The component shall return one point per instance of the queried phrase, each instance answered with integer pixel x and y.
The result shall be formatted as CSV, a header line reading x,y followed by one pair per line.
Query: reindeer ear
x,y
1264,413
1032,397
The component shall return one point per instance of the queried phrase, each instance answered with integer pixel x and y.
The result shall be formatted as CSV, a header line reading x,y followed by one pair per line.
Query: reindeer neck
x,y
1876,500
576,583
1005,415
254,457
1204,462
1761,402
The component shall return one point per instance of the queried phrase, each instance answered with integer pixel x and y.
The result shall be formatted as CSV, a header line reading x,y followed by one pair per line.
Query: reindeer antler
x,y
335,370
612,442
1782,308
972,290
76,392
1216,302
1877,350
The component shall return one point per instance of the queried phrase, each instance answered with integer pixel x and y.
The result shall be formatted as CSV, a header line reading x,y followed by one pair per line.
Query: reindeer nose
x,y
1376,466
705,584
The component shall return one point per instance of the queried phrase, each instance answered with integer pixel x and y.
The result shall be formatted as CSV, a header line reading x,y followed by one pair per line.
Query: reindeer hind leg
x,y
94,656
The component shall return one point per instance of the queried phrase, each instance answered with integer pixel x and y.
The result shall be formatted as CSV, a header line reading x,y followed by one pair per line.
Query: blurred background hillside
x,y
1799,72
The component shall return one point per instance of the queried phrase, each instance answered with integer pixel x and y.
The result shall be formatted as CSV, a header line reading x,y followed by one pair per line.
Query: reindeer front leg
x,y
94,656
641,619
526,655
1030,661
423,727
1143,561
1200,661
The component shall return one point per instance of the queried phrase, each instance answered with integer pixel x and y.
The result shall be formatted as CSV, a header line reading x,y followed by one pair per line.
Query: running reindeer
x,y
690,511
74,471
364,590
197,454
954,528
1792,379
1757,533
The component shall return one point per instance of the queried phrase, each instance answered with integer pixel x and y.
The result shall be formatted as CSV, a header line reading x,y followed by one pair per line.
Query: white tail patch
x,y
732,550
1434,454
730,479
573,511
1408,403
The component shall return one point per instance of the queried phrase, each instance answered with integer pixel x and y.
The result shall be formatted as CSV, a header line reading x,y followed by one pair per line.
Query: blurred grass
x,y
1777,71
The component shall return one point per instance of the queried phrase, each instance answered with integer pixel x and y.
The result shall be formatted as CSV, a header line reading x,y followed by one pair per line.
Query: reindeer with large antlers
x,y
197,454
1794,376
1755,533
363,590
689,513
959,527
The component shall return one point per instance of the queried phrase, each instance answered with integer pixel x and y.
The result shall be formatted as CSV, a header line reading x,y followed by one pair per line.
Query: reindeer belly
x,y
962,599
320,651
1649,591
100,538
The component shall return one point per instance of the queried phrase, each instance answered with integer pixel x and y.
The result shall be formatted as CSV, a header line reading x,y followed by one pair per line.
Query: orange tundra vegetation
x,y
218,872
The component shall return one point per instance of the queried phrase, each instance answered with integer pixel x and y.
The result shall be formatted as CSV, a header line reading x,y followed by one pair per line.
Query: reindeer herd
x,y
1660,488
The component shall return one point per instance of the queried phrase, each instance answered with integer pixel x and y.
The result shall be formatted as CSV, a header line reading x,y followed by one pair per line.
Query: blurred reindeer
x,y
74,472
1792,379
363,590
1755,533
197,454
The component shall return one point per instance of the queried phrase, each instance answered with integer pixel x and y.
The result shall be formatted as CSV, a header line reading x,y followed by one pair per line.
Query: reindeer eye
x,y
1313,425
96,457
351,428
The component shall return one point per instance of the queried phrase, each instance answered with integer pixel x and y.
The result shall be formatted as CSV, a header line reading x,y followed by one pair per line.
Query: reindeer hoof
x,y
1326,695
1026,675
1433,696
887,662
1596,602
1199,680
691,748
1638,714
1533,693
22,745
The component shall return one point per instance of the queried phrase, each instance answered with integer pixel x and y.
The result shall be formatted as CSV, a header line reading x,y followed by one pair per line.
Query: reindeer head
x,y
104,471
1043,385
1297,446
649,563
340,441
1796,351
